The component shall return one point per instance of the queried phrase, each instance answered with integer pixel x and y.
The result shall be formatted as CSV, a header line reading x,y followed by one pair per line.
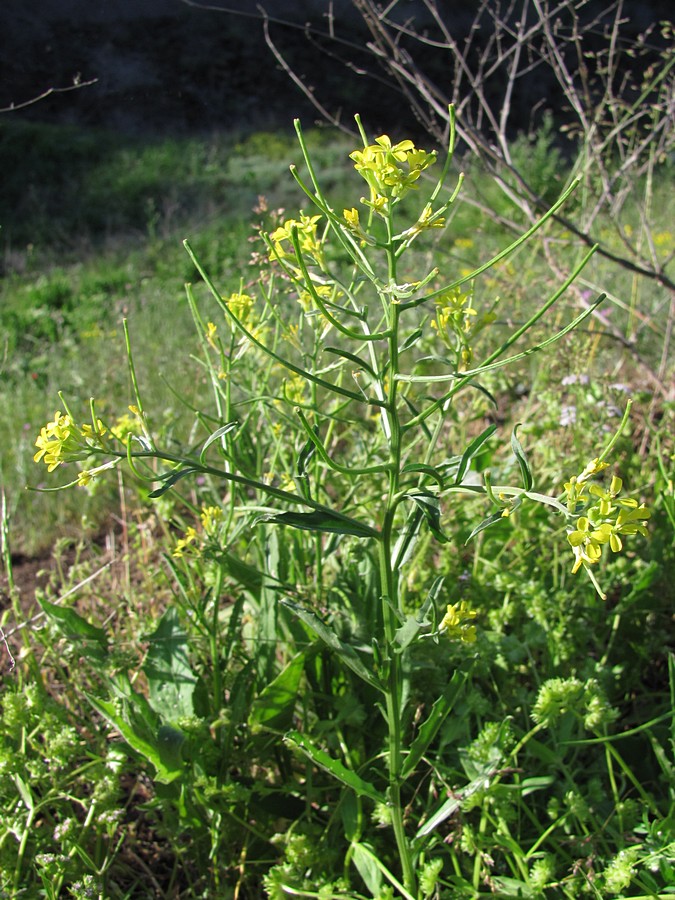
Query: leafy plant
x,y
330,478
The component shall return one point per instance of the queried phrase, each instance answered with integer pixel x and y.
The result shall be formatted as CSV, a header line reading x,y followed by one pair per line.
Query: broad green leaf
x,y
439,712
75,627
250,578
519,453
167,763
333,766
321,521
366,864
274,706
346,653
471,451
171,681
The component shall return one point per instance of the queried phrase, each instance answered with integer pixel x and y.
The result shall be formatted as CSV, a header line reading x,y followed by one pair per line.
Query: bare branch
x,y
77,84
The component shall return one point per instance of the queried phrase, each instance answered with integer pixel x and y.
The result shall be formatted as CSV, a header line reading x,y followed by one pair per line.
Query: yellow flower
x,y
306,228
454,622
186,545
586,543
240,305
211,516
351,217
211,334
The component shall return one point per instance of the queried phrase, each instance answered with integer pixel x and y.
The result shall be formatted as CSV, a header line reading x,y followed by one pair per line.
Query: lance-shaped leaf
x,y
169,480
471,451
346,652
322,521
218,433
336,768
452,804
431,510
274,706
439,712
75,627
519,453
489,520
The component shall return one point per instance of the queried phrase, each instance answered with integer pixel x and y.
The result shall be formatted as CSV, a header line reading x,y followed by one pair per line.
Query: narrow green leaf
x,y
218,433
439,712
490,520
169,480
519,453
411,340
75,627
321,521
346,652
423,469
452,804
274,706
171,681
333,766
306,455
352,357
431,510
471,451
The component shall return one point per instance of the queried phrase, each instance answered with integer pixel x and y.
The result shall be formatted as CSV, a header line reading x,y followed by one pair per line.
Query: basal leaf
x,y
171,681
75,627
274,706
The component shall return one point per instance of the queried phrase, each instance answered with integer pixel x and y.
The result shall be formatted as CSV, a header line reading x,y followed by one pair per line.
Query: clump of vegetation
x,y
351,651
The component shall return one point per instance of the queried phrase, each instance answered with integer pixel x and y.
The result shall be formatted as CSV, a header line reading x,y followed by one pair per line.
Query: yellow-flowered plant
x,y
353,442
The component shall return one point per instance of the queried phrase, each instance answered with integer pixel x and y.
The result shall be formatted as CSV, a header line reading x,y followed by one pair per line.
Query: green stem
x,y
390,592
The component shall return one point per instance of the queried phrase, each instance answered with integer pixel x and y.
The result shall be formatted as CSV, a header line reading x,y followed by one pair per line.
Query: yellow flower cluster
x,y
310,244
240,305
61,441
457,324
605,520
390,170
456,622
193,543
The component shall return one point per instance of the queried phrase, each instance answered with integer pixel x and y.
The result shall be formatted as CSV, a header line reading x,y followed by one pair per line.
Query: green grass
x,y
559,744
